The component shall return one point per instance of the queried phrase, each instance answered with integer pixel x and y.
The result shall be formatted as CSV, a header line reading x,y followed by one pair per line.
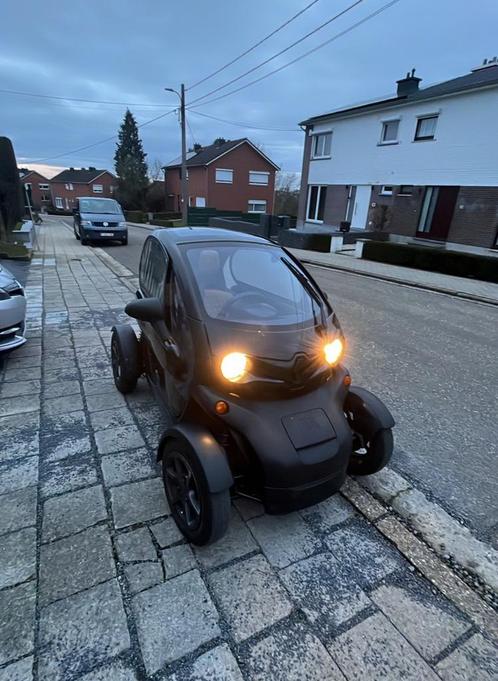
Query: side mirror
x,y
146,309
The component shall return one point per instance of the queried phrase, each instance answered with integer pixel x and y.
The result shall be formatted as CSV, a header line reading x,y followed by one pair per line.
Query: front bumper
x,y
12,322
104,235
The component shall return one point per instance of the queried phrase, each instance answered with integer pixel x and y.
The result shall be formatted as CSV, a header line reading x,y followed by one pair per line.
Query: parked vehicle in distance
x,y
99,219
244,351
12,311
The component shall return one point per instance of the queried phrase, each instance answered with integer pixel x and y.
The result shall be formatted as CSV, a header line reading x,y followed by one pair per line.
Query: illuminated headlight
x,y
333,351
234,366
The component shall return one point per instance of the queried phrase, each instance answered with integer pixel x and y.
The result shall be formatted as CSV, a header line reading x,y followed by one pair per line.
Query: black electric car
x,y
244,351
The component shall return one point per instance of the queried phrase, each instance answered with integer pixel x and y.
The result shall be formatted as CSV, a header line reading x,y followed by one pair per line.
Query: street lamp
x,y
184,180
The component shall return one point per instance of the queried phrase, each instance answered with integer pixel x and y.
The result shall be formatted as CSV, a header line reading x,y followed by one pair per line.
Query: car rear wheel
x,y
202,516
125,358
371,456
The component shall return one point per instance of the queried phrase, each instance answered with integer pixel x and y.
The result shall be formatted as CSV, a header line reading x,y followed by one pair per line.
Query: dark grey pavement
x,y
433,359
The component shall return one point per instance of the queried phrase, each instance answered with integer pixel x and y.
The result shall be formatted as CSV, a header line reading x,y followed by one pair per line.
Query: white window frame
x,y
264,175
254,202
200,201
223,170
315,142
98,188
386,190
384,124
422,117
315,220
44,187
69,186
59,203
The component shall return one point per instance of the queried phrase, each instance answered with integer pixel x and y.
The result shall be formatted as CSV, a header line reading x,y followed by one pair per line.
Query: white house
x,y
421,163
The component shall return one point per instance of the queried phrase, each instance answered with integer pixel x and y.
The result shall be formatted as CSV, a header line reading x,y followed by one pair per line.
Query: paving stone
x,y
17,557
28,374
62,405
64,435
475,659
250,595
24,362
429,623
374,649
99,386
72,512
363,551
138,502
118,439
17,621
68,474
62,389
142,576
75,563
284,539
166,532
87,626
22,670
19,388
177,560
362,500
60,375
326,515
111,418
101,401
324,591
248,508
174,619
115,671
127,467
136,545
235,543
18,509
19,436
291,654
386,484
96,369
18,474
217,664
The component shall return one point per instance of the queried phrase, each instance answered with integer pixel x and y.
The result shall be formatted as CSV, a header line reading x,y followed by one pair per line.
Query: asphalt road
x,y
434,360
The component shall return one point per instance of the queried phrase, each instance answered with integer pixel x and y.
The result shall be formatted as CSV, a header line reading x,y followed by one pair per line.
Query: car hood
x,y
6,278
103,217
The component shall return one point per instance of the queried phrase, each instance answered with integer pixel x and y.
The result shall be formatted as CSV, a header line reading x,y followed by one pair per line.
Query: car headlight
x,y
3,294
86,223
121,224
234,366
333,351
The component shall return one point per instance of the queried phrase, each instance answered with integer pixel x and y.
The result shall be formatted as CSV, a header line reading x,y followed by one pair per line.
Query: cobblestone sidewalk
x,y
96,582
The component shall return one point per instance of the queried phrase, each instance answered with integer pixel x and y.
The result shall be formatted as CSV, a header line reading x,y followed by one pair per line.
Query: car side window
x,y
153,267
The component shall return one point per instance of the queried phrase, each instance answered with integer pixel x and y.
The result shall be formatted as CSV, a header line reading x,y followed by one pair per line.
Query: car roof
x,y
99,198
186,235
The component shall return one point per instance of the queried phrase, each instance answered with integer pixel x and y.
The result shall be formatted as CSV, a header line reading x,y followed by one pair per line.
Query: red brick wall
x,y
83,189
475,220
197,186
37,194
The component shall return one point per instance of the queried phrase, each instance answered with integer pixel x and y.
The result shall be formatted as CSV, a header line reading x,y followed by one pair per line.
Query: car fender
x,y
370,414
211,455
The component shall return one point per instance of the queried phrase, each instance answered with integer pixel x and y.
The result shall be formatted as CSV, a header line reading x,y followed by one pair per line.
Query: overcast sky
x,y
129,50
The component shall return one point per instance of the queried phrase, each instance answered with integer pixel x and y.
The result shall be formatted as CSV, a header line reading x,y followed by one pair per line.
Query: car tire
x,y
374,455
76,233
124,242
202,516
125,358
84,241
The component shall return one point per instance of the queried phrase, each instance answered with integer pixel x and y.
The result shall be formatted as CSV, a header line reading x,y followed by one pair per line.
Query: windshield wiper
x,y
310,289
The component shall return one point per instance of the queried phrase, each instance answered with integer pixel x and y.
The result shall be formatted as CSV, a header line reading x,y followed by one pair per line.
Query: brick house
x,y
422,163
234,175
37,189
72,183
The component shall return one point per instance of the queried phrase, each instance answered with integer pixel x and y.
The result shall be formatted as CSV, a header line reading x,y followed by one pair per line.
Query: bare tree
x,y
156,171
286,193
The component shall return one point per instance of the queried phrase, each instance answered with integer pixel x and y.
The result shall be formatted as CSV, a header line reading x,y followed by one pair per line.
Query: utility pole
x,y
184,179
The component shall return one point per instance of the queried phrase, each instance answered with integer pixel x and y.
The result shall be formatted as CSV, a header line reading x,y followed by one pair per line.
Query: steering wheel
x,y
246,295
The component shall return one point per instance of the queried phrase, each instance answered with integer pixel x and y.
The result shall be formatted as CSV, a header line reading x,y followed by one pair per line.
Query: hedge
x,y
433,259
308,241
167,215
14,251
135,216
166,223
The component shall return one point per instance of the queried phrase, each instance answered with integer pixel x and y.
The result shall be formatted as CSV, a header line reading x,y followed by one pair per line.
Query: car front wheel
x,y
370,457
125,358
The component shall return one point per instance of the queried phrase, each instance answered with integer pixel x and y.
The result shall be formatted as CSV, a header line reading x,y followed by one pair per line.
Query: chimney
x,y
409,85
486,64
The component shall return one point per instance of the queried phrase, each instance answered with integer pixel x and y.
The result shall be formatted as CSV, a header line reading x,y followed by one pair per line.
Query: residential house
x,y
422,163
234,175
70,184
36,189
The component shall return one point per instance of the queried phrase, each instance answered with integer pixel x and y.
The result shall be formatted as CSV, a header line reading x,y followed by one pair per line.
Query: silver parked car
x,y
12,311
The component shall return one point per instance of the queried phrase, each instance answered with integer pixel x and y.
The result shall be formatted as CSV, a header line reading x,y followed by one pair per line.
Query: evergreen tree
x,y
11,198
130,164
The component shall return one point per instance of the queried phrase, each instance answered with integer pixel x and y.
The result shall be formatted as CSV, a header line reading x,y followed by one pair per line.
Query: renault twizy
x,y
243,350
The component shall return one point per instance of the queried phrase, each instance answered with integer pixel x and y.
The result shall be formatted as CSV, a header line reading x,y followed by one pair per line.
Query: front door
x,y
436,212
361,206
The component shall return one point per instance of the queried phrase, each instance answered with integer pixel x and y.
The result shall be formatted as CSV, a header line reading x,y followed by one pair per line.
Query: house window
x,y
405,190
44,187
45,198
322,145
256,206
98,188
258,177
389,133
58,202
200,202
386,190
426,127
69,186
27,186
316,203
224,176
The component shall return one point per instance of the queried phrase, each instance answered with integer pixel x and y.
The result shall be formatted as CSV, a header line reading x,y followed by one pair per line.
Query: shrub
x,y
135,216
433,259
167,215
292,238
166,223
14,251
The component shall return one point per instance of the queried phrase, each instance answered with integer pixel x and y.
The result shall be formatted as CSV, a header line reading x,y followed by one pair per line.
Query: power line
x,y
253,47
76,99
278,54
305,54
95,144
244,125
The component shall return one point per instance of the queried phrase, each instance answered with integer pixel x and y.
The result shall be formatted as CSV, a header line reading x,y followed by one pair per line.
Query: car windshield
x,y
252,284
108,206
